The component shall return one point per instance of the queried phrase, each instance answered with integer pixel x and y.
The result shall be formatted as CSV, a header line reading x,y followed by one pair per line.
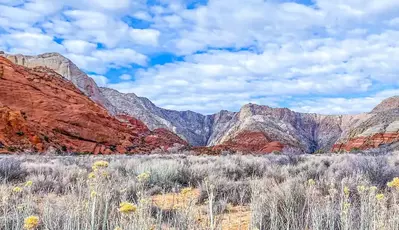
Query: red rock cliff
x,y
40,109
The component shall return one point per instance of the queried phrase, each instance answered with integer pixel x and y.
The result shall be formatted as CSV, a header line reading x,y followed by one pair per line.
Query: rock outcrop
x,y
192,127
67,69
387,104
381,128
40,109
264,129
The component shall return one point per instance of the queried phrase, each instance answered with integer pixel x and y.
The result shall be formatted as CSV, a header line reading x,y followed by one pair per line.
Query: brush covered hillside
x,y
253,129
42,110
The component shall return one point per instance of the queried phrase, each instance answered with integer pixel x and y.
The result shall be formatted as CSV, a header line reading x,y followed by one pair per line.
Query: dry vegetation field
x,y
198,192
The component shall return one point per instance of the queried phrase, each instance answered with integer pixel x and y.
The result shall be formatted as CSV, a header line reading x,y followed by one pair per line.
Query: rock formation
x,y
255,128
380,128
191,126
40,109
65,68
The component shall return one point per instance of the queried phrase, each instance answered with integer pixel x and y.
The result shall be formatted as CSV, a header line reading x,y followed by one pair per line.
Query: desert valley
x,y
79,156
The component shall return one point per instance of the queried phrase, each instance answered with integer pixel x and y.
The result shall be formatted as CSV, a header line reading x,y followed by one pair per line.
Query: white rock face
x,y
67,69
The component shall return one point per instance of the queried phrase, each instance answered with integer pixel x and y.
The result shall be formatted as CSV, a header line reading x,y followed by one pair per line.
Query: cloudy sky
x,y
324,56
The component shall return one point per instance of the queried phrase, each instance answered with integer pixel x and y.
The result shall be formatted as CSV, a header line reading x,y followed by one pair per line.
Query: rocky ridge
x,y
380,128
65,68
41,110
254,128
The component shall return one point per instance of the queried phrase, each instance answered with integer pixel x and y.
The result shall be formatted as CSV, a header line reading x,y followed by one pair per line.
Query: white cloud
x,y
142,15
120,57
339,105
79,46
14,17
145,36
110,4
99,61
31,43
125,77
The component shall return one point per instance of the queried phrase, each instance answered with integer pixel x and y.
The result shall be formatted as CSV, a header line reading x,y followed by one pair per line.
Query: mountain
x,y
380,128
191,126
42,110
255,128
65,68
265,129
387,104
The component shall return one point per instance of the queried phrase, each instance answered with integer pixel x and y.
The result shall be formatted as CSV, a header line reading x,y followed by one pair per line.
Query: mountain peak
x,y
387,104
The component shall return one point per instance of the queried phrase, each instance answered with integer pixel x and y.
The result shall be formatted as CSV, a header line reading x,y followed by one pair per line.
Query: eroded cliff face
x,y
40,109
380,128
192,127
67,69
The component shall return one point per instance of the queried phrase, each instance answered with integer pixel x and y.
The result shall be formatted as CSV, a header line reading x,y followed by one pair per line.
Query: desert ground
x,y
347,191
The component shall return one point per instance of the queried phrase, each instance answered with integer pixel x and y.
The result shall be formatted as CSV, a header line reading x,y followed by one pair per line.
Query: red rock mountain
x,y
40,109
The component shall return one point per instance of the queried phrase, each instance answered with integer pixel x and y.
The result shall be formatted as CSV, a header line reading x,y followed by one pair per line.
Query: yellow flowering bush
x,y
31,222
143,177
380,196
361,188
394,183
105,174
91,175
93,194
17,189
127,208
311,182
100,164
185,191
346,191
28,183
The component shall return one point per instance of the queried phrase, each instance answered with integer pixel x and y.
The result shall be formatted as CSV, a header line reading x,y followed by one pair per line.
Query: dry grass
x,y
194,192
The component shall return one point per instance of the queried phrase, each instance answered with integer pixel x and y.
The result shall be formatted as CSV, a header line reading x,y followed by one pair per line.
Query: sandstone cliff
x,y
40,109
67,69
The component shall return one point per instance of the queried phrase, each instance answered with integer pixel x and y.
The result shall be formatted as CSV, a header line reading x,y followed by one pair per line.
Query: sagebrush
x,y
282,191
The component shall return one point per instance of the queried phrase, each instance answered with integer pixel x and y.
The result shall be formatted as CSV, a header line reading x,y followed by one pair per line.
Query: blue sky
x,y
324,56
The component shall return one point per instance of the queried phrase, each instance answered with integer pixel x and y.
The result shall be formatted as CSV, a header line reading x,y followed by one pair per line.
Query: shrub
x,y
11,170
224,190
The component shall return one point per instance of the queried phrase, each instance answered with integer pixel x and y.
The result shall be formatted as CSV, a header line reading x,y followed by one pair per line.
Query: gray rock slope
x,y
308,132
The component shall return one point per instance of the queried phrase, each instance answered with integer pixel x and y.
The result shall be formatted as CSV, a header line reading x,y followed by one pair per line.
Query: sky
x,y
321,56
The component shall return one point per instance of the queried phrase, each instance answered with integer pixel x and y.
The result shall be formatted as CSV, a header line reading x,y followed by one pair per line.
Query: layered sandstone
x,y
380,129
67,69
40,109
